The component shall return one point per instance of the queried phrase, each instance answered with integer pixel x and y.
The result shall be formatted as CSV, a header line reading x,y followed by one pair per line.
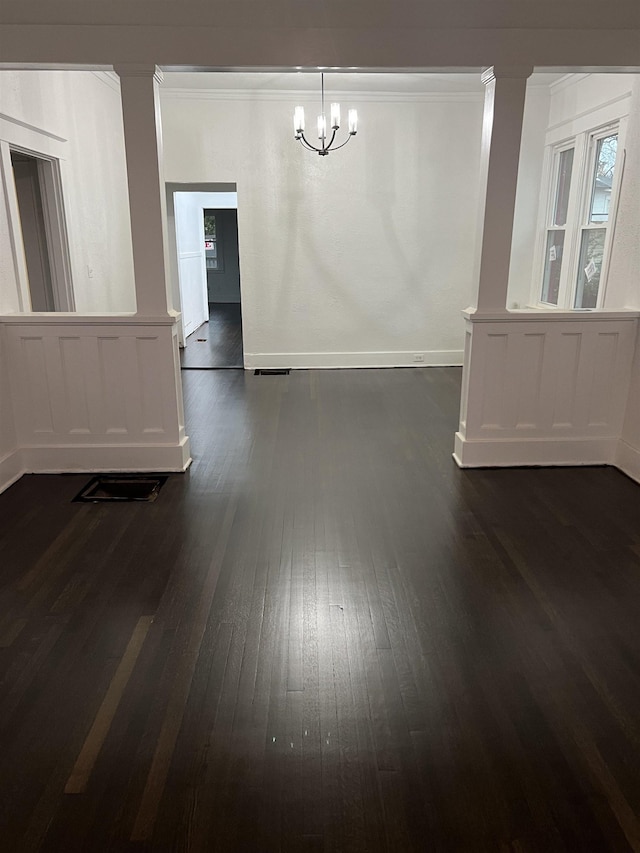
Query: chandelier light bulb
x,y
298,121
322,127
335,116
353,122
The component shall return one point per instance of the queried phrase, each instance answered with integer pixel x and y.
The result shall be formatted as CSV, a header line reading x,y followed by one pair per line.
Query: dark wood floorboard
x,y
218,342
323,637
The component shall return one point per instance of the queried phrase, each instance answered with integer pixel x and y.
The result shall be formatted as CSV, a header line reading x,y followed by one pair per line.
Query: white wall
x,y
361,257
79,113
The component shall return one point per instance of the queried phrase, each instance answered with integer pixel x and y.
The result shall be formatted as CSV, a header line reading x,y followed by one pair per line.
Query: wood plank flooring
x,y
218,343
323,637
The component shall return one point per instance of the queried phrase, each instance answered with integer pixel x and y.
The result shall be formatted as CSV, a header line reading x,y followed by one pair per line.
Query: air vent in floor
x,y
120,488
272,372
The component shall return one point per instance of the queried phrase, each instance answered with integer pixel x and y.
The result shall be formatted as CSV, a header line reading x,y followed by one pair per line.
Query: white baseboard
x,y
106,458
628,460
511,452
293,360
11,469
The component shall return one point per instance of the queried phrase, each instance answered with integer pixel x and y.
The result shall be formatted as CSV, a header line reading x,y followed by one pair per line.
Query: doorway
x,y
224,332
46,271
205,262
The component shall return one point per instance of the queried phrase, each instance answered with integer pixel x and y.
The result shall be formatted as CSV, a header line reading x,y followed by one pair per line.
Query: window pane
x,y
605,162
210,225
565,165
552,266
590,267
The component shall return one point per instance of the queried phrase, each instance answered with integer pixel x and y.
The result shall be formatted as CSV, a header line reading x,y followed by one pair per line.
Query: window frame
x,y
584,142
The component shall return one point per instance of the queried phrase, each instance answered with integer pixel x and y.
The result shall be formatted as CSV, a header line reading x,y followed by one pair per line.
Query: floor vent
x,y
121,488
276,372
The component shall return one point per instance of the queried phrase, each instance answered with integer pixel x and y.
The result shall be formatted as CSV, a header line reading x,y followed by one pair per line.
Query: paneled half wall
x,y
545,390
93,394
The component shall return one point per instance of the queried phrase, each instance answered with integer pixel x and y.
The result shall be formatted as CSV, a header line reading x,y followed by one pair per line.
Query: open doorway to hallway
x,y
206,273
38,230
223,334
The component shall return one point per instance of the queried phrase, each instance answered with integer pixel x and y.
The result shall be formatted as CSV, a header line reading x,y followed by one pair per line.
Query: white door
x,y
192,272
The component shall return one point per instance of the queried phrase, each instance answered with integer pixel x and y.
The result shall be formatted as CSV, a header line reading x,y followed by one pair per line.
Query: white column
x,y
147,203
501,135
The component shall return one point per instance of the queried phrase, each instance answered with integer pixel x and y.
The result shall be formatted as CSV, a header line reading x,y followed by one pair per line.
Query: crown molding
x,y
592,111
109,78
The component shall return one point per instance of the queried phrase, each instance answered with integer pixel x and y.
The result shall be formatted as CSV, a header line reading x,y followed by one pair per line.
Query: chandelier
x,y
325,147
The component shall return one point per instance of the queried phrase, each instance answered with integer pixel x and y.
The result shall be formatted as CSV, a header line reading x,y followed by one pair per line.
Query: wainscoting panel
x,y
544,388
101,392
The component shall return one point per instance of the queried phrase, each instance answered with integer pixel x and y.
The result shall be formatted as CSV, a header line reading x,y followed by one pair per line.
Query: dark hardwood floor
x,y
217,343
323,637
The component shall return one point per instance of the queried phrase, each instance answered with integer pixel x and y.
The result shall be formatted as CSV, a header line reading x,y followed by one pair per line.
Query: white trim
x,y
14,228
626,96
275,360
109,78
62,319
512,452
628,460
545,315
290,95
566,81
32,128
108,458
11,469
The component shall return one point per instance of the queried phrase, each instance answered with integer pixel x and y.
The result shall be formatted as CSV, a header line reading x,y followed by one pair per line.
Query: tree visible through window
x,y
212,242
594,230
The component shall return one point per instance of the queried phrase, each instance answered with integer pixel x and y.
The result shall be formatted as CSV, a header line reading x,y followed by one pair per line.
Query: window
x,y
213,242
578,220
556,231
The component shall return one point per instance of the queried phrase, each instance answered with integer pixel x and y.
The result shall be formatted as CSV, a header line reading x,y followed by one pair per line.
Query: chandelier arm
x,y
348,139
308,145
333,136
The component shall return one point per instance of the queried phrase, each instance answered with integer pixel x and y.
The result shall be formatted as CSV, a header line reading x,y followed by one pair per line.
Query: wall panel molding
x,y
543,389
94,396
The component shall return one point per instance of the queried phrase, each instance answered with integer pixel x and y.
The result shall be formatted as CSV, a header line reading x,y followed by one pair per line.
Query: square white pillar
x,y
147,203
501,137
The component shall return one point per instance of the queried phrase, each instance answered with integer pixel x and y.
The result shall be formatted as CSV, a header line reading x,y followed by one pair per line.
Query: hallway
x,y
324,636
217,343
